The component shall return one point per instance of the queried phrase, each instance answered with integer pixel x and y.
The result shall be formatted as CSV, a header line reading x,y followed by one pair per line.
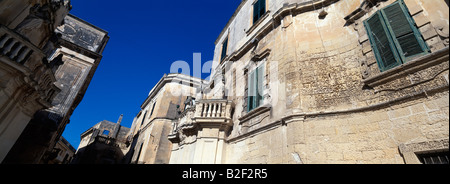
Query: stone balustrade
x,y
15,46
210,113
213,109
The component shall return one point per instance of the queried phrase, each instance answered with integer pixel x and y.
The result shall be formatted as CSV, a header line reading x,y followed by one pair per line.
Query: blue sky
x,y
146,38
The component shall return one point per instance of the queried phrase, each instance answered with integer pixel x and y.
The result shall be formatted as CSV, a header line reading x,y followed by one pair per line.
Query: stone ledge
x,y
408,68
424,146
258,22
255,112
410,150
303,116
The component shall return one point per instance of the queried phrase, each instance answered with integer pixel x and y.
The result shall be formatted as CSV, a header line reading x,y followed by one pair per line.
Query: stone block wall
x,y
328,101
371,137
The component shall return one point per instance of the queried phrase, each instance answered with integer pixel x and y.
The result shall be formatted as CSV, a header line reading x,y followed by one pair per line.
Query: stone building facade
x,y
104,143
149,143
63,154
48,58
327,81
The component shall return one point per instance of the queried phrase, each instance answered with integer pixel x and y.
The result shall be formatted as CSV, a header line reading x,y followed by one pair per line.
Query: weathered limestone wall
x,y
328,101
371,137
26,83
152,127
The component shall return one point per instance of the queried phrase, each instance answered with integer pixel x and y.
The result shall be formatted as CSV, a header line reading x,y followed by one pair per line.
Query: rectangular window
x,y
143,118
153,108
434,158
224,49
105,132
255,88
394,36
259,9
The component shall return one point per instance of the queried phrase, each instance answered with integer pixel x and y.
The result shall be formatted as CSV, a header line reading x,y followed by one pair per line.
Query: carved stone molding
x,y
365,72
443,31
410,150
365,7
411,67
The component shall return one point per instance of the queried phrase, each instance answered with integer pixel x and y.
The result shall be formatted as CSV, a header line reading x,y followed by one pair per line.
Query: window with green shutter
x,y
255,88
394,36
259,9
224,49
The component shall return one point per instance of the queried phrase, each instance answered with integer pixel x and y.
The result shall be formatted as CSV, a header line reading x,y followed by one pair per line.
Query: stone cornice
x,y
303,116
410,67
255,112
287,9
184,79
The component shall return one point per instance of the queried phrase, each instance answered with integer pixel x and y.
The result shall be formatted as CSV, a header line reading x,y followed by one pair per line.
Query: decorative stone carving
x,y
443,31
38,19
39,24
415,78
365,72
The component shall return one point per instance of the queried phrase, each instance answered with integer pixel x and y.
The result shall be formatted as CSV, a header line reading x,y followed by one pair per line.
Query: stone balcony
x,y
205,114
27,64
15,47
213,112
201,131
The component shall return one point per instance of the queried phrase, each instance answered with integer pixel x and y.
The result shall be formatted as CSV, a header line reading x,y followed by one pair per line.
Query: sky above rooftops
x,y
146,37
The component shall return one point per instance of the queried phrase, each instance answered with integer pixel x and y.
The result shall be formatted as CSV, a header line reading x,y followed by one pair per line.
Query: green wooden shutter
x,y
254,89
255,12
251,91
249,87
259,8
382,44
224,49
406,36
262,7
260,85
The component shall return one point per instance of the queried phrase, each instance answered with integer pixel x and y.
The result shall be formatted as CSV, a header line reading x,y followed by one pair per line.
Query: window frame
x,y
256,86
106,132
258,11
423,156
396,48
153,110
224,52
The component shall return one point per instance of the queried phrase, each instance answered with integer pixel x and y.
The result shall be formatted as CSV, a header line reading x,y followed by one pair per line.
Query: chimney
x,y
117,127
120,119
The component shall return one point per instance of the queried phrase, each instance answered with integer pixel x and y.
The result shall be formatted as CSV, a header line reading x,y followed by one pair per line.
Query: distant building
x,y
104,143
62,153
153,124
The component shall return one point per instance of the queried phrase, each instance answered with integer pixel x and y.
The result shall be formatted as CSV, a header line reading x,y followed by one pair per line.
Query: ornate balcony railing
x,y
105,140
15,46
22,55
212,113
213,109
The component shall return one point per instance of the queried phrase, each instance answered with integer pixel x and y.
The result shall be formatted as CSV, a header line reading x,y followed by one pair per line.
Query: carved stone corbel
x,y
442,30
365,72
37,20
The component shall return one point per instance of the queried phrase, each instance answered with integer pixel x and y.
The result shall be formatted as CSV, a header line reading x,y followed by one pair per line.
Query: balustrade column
x,y
4,40
209,110
214,110
23,55
16,51
222,109
198,110
205,113
8,47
